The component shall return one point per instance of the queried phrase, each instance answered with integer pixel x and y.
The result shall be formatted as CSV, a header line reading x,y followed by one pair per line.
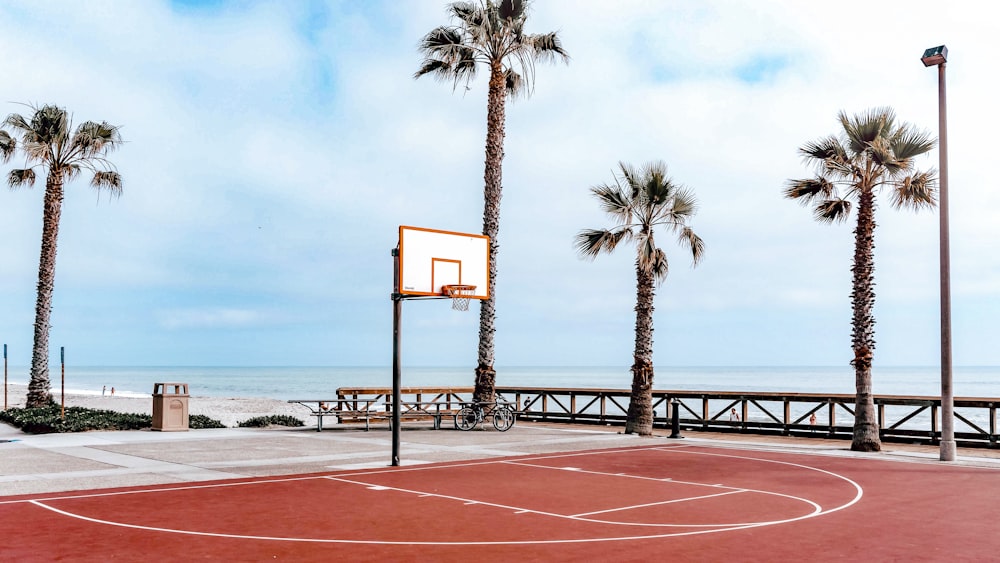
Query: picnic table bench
x,y
423,410
356,410
352,411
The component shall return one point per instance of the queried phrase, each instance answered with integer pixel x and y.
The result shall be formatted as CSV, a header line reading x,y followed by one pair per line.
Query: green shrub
x,y
272,420
200,421
47,420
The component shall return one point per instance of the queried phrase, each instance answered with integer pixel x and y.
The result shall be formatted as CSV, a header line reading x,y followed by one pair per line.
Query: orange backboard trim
x,y
426,250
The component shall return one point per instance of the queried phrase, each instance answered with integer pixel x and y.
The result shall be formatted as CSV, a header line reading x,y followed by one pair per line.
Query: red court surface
x,y
678,501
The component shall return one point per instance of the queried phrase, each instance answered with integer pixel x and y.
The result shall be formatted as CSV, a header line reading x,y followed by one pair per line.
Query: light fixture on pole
x,y
938,56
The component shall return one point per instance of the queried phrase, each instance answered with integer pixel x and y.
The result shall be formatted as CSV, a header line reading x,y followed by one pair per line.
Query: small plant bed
x,y
48,420
272,420
200,422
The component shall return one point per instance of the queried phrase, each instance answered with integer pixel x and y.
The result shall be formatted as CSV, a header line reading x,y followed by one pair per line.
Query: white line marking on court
x,y
816,509
715,528
688,499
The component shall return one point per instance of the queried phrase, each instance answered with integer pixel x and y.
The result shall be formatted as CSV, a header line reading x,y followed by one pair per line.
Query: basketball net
x,y
460,295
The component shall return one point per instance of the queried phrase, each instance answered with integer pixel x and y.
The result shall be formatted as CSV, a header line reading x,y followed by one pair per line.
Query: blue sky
x,y
273,149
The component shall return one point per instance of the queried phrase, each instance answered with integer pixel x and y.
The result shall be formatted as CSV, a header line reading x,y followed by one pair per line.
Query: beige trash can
x,y
170,407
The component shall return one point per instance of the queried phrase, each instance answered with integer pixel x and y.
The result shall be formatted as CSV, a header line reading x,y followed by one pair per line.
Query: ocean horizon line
x,y
502,366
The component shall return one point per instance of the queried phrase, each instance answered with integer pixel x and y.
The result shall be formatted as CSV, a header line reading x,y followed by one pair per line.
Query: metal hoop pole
x,y
397,375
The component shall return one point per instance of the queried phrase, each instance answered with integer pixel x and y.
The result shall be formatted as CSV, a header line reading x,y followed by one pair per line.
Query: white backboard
x,y
430,258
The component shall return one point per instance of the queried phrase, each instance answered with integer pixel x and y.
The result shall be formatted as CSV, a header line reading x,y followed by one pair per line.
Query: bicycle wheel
x,y
503,418
465,419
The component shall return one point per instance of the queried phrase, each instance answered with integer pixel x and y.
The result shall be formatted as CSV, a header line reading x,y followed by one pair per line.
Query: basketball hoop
x,y
460,295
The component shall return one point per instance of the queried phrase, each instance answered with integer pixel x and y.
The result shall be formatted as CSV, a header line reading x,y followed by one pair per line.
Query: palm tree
x,y
491,34
639,201
47,144
872,152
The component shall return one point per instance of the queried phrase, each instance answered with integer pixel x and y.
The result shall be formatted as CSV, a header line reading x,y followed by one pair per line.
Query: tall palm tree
x,y
491,34
872,152
639,201
47,143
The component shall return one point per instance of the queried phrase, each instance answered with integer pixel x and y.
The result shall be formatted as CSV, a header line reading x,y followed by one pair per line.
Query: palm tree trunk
x,y
640,407
495,118
866,429
39,388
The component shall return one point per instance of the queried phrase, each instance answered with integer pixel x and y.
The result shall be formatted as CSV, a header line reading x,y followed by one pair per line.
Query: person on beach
x,y
733,415
112,391
103,390
812,419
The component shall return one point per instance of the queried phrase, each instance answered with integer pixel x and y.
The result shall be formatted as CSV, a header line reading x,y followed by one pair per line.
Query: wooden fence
x,y
901,418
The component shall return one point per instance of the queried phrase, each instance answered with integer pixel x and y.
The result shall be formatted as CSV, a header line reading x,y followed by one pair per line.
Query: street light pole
x,y
938,56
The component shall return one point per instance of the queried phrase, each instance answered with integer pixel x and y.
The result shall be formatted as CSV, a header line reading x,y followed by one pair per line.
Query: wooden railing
x,y
901,418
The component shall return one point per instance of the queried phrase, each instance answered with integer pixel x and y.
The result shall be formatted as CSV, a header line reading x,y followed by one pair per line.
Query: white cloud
x,y
274,148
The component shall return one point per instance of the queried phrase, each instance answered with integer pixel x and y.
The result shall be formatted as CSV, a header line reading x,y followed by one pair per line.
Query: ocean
x,y
307,382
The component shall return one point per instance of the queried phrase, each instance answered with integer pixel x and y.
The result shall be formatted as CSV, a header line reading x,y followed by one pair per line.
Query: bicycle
x,y
474,414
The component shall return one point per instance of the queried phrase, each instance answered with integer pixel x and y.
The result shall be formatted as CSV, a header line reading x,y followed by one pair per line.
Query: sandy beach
x,y
229,411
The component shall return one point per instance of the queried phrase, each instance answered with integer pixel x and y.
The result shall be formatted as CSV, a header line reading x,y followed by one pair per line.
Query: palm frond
x,y
909,142
656,185
631,177
513,83
512,9
37,152
684,204
8,145
591,242
92,138
21,177
18,122
646,251
469,13
109,181
862,129
689,239
832,211
881,154
433,66
823,149
70,170
546,47
810,189
441,41
659,266
614,201
915,192
49,125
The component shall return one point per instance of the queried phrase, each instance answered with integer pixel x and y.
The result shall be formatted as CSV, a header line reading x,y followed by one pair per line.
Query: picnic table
x,y
355,410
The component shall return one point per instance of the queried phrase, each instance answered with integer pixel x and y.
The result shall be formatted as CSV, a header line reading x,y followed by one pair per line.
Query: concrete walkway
x,y
31,464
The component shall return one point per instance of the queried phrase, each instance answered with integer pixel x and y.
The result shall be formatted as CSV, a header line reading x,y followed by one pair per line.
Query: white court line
x,y
856,486
687,499
716,529
468,501
817,509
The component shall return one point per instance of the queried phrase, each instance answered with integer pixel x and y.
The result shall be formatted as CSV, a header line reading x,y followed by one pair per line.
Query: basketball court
x,y
670,499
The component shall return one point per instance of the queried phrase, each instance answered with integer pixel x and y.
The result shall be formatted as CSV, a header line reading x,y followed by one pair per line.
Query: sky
x,y
274,148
